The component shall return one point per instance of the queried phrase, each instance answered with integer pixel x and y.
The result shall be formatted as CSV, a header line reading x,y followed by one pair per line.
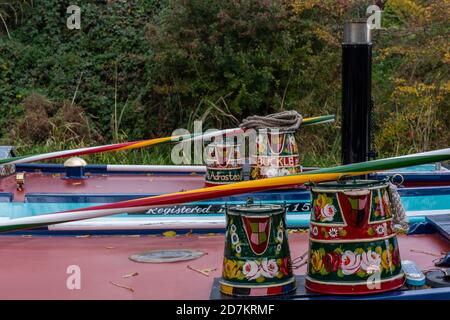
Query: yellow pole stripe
x,y
267,183
151,142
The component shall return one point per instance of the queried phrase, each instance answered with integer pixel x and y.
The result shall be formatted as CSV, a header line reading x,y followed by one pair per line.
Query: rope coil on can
x,y
286,120
399,215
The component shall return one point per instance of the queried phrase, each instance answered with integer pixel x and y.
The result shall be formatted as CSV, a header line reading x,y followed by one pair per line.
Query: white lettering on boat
x,y
183,210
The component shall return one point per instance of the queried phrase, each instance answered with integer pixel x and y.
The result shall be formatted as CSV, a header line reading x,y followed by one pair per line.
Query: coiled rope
x,y
399,215
286,120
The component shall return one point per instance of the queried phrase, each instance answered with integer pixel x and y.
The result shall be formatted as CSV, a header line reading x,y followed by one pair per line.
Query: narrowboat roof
x,y
39,267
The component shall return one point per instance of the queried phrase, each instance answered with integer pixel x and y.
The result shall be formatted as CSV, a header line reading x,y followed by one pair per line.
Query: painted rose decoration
x,y
370,261
251,270
324,210
266,268
269,268
350,262
285,266
328,212
332,261
358,263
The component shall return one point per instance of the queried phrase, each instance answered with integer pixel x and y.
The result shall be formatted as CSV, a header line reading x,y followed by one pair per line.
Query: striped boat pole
x,y
144,204
143,143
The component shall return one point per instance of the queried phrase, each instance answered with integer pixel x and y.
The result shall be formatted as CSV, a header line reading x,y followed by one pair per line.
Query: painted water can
x,y
257,260
224,164
275,154
353,248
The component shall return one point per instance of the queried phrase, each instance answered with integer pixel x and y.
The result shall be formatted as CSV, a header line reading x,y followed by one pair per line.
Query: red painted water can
x,y
353,248
276,154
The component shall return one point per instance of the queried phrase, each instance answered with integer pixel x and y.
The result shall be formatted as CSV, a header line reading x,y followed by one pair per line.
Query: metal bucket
x,y
353,248
223,164
276,155
257,260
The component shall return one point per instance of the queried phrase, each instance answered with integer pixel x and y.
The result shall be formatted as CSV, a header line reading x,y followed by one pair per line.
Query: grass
x,y
152,155
158,154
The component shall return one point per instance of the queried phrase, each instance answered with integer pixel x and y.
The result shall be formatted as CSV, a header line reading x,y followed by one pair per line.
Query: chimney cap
x,y
357,33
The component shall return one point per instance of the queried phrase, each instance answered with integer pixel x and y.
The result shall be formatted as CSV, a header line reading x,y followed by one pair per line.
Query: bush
x,y
141,68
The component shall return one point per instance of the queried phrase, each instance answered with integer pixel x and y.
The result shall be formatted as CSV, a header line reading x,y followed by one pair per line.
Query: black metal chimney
x,y
356,92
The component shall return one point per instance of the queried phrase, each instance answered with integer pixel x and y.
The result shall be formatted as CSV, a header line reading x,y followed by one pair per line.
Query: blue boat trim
x,y
6,197
409,175
281,195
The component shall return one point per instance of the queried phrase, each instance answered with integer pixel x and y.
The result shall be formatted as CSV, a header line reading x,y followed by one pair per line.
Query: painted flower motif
x,y
390,259
328,212
381,229
333,232
278,247
280,235
316,260
265,268
272,172
383,205
251,270
350,262
231,270
322,200
269,268
315,231
285,266
261,143
386,260
386,204
370,261
379,209
332,261
254,174
291,140
234,239
319,203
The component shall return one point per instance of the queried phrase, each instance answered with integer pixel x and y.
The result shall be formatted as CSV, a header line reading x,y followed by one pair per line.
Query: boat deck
x,y
37,182
36,267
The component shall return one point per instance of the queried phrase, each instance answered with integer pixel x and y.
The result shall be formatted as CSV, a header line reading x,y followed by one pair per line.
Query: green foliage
x,y
44,56
411,77
142,68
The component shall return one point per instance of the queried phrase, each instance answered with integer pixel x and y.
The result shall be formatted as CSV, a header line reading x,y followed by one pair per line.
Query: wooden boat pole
x,y
143,143
144,204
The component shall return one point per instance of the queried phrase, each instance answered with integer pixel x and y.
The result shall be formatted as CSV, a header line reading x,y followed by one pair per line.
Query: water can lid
x,y
349,185
256,209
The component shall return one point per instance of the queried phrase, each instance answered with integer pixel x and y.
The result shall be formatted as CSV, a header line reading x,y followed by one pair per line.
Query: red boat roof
x,y
102,184
35,267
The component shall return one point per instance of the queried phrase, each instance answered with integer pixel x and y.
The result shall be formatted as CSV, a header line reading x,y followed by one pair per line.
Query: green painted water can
x,y
257,260
353,247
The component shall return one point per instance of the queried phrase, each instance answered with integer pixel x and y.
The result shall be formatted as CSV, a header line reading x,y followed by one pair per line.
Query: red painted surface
x,y
354,289
35,268
101,184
